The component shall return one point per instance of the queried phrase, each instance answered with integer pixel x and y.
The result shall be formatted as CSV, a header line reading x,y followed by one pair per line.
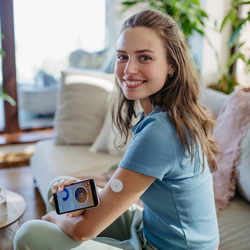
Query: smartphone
x,y
77,196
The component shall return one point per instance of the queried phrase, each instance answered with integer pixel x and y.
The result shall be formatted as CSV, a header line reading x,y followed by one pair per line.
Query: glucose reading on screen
x,y
77,196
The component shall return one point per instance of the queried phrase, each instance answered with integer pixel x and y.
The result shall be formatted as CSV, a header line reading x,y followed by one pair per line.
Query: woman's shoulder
x,y
155,118
155,122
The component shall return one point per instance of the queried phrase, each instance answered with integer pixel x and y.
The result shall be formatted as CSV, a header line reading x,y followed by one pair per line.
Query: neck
x,y
146,106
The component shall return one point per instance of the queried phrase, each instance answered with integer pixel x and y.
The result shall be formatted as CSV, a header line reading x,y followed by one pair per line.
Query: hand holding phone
x,y
77,196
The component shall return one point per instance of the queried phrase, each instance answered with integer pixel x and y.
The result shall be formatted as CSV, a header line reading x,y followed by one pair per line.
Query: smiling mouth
x,y
134,83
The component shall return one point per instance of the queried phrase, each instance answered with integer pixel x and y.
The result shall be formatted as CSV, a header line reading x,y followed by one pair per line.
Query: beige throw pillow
x,y
105,140
82,106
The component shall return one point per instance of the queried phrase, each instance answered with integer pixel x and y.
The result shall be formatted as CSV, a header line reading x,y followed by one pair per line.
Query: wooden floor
x,y
20,180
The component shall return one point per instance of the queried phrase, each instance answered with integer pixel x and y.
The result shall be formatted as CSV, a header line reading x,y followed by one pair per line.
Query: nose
x,y
131,68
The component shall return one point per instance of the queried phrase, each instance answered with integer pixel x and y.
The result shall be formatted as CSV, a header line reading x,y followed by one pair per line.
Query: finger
x,y
69,215
51,200
70,181
61,185
75,214
54,187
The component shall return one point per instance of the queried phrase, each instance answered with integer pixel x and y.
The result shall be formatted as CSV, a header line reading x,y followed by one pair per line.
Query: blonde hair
x,y
179,96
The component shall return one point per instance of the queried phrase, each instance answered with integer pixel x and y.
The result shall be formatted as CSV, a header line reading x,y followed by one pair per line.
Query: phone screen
x,y
79,195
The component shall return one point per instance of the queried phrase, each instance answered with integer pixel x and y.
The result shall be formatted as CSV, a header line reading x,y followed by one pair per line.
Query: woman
x,y
168,164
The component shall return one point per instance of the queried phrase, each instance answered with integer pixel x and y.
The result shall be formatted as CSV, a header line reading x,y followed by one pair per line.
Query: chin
x,y
130,98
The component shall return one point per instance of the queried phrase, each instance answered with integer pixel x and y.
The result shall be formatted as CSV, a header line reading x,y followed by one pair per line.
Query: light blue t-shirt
x,y
179,209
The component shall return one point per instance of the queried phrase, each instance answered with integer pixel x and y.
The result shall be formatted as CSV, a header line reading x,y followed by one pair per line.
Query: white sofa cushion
x,y
108,134
212,99
51,160
82,106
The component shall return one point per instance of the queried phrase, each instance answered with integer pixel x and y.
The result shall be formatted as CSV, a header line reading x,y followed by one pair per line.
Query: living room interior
x,y
56,66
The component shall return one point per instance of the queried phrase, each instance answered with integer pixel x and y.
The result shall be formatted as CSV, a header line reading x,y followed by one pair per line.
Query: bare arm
x,y
112,205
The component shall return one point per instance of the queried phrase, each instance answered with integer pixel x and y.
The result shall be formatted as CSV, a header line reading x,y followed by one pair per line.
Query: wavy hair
x,y
179,96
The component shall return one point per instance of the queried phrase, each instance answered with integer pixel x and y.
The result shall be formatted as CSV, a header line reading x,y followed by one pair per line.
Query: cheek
x,y
157,74
158,77
119,70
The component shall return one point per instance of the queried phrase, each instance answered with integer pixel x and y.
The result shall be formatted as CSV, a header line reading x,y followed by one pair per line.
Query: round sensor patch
x,y
117,185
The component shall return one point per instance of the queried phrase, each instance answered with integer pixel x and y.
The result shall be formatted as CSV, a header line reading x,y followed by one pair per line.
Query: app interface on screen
x,y
74,197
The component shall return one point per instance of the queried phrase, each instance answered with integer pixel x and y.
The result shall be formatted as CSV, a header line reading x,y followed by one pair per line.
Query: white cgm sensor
x,y
117,185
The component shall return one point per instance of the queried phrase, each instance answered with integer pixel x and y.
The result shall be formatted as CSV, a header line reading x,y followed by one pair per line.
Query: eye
x,y
145,58
121,58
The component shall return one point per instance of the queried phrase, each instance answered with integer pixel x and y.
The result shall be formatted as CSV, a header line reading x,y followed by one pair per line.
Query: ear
x,y
171,69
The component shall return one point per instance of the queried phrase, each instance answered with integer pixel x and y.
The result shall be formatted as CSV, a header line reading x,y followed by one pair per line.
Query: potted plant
x,y
189,14
228,81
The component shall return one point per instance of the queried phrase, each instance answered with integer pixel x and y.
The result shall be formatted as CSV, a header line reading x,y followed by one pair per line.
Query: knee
x,y
27,236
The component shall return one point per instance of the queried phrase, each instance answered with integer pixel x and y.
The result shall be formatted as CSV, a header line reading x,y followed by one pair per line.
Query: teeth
x,y
133,82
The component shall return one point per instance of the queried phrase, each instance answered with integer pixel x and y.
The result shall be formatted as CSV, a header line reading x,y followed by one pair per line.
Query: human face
x,y
141,64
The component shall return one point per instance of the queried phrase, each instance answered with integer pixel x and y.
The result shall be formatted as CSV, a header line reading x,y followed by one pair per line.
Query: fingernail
x,y
53,190
60,188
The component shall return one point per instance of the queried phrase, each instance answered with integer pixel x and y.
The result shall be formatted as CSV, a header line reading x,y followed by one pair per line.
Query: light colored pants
x,y
124,233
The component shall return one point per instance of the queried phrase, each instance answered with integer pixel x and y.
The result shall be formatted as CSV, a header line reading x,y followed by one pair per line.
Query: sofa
x,y
83,144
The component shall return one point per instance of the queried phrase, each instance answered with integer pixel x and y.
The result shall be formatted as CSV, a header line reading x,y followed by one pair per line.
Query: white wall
x,y
210,71
242,77
115,19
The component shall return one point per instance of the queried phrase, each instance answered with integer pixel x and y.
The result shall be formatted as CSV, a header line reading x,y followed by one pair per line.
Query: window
x,y
51,36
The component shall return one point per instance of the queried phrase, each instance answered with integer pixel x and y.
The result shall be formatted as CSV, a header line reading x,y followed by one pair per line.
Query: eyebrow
x,y
138,51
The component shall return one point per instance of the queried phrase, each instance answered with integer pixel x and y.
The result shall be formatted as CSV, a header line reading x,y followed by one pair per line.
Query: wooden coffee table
x,y
16,207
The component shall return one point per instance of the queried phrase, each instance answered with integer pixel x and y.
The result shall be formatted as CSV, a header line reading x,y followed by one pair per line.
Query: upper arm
x,y
112,204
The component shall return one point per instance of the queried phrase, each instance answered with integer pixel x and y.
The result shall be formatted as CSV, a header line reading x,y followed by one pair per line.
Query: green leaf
x,y
6,97
236,33
232,59
233,16
225,20
2,53
196,2
241,44
238,3
9,99
242,57
130,3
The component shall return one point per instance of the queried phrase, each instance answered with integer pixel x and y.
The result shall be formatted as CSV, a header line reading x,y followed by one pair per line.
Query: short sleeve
x,y
152,151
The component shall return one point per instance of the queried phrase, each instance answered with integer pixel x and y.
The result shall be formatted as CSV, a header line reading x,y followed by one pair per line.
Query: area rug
x,y
15,160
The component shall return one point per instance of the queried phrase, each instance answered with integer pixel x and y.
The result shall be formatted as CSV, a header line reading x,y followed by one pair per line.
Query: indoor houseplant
x,y
189,14
228,81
